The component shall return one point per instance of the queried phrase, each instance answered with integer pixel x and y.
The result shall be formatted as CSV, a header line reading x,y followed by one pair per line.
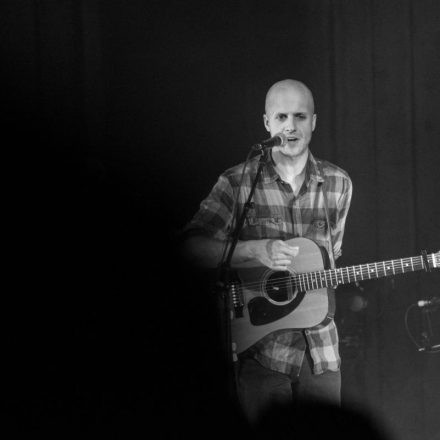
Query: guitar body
x,y
264,300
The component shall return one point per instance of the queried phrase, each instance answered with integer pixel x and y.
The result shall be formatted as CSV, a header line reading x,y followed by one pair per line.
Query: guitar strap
x,y
327,218
331,296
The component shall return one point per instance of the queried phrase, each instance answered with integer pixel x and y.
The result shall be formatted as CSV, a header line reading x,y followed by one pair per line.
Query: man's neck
x,y
291,169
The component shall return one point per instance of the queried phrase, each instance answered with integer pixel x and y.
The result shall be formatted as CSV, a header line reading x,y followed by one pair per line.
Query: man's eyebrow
x,y
303,112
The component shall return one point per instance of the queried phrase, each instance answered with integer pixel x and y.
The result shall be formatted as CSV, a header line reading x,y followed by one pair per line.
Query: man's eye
x,y
281,116
301,116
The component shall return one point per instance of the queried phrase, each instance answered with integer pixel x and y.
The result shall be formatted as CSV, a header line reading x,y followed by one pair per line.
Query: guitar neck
x,y
350,274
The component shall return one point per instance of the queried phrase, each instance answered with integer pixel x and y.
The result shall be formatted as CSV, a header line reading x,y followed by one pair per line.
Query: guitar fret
x,y
331,274
404,265
355,273
334,277
352,274
388,268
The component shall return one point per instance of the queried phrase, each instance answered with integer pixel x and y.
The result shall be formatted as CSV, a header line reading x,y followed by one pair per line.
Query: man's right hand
x,y
206,252
275,254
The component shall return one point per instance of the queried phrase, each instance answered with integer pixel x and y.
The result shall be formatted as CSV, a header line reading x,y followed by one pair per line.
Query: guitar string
x,y
314,283
311,278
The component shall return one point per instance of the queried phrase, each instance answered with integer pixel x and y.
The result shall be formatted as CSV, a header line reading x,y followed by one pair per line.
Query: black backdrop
x,y
118,117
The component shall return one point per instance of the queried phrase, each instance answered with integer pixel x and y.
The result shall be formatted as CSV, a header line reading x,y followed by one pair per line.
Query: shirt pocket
x,y
317,230
264,223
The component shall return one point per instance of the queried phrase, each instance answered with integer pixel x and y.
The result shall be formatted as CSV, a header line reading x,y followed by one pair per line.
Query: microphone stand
x,y
229,310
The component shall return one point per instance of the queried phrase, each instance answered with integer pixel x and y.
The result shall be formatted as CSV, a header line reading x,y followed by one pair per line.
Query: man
x,y
288,202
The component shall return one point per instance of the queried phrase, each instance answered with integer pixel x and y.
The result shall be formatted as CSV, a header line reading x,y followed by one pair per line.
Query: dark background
x,y
118,118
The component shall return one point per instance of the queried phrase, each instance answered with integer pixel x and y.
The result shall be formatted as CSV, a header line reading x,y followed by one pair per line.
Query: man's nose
x,y
290,124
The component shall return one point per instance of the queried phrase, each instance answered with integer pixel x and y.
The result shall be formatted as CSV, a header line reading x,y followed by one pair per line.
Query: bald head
x,y
288,87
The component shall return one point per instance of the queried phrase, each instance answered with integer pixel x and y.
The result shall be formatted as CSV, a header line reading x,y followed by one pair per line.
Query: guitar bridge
x,y
237,299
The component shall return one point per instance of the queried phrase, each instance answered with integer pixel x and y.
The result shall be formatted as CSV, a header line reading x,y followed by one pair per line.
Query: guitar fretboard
x,y
350,274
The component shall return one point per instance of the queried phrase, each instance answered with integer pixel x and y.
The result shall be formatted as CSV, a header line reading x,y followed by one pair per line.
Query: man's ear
x,y
266,122
315,117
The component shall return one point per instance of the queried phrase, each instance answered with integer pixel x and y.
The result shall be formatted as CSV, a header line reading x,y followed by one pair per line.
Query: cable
x,y
411,336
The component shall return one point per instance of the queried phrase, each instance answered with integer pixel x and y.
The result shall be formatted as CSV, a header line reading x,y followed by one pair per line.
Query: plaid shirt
x,y
276,213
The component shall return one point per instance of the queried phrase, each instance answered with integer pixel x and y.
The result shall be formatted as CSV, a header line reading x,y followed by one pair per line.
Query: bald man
x,y
295,196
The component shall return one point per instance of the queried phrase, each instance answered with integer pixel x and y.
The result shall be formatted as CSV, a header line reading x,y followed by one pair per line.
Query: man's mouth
x,y
292,138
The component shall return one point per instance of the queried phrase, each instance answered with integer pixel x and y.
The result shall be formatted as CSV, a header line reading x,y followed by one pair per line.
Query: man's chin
x,y
293,150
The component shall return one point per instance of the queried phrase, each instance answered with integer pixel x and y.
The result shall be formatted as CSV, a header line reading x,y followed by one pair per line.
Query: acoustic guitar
x,y
263,300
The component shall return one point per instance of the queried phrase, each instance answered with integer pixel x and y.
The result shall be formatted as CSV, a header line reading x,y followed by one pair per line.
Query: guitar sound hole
x,y
280,287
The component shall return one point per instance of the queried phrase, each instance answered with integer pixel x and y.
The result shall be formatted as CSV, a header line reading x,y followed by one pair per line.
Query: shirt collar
x,y
313,171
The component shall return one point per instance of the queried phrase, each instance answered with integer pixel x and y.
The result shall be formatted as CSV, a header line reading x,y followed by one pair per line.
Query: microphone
x,y
434,301
274,141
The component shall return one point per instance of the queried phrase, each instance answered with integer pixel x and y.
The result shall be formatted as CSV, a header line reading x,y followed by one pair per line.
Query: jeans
x,y
259,388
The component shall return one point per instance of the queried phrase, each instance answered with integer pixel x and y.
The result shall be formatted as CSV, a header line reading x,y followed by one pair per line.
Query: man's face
x,y
290,111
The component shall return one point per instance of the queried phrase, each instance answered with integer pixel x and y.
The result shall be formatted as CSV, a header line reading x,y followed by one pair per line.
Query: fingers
x,y
281,254
281,262
289,250
278,248
276,254
281,265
